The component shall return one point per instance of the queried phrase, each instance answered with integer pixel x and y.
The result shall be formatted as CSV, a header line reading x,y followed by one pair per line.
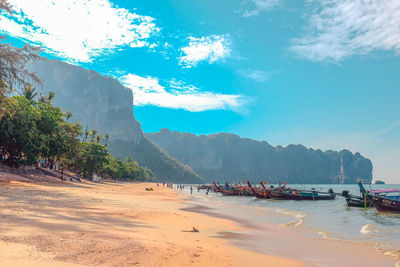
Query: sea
x,y
327,219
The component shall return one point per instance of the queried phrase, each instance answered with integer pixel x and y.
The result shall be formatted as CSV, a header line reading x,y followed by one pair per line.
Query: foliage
x,y
32,129
91,157
12,63
20,139
127,170
13,59
29,92
164,167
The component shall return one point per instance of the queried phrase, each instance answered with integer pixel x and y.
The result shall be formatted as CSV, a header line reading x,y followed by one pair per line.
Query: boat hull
x,y
300,196
229,192
353,201
386,204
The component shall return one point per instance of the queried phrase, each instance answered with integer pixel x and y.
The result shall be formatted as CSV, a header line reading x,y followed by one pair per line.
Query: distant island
x,y
379,182
228,157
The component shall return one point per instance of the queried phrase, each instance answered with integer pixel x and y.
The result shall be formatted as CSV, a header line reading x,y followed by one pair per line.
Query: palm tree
x,y
86,134
92,135
29,92
43,98
68,115
107,137
51,96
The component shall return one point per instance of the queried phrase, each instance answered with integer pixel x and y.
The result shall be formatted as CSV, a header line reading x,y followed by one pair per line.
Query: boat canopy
x,y
381,191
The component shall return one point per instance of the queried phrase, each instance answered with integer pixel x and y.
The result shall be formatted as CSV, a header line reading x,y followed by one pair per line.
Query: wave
x,y
298,222
368,228
297,215
289,213
375,228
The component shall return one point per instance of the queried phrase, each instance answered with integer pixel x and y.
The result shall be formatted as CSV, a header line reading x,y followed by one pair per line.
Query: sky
x,y
325,74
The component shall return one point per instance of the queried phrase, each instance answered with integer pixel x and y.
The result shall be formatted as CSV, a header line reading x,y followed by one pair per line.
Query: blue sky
x,y
320,73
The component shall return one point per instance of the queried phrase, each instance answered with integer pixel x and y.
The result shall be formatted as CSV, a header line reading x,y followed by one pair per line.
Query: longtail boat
x,y
278,192
230,191
215,187
244,190
308,195
260,194
227,190
358,201
386,199
283,192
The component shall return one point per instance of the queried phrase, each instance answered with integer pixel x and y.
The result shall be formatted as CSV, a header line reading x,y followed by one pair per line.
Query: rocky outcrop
x,y
102,103
98,102
229,157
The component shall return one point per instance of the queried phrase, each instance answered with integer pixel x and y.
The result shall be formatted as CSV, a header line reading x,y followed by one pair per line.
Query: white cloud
x,y
210,48
256,75
77,30
341,28
178,95
260,6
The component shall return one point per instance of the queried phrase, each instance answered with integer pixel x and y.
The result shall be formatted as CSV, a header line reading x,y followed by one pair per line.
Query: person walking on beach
x,y
191,190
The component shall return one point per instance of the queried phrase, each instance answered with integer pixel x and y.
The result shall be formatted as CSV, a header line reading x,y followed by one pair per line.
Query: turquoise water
x,y
330,219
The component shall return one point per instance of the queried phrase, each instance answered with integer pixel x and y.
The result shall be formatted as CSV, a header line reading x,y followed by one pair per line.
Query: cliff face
x,y
97,101
229,157
102,103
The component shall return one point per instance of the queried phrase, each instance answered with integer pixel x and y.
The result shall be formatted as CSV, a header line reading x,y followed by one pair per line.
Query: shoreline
x,y
288,241
46,223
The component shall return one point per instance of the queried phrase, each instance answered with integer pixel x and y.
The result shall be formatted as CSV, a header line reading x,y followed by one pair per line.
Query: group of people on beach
x,y
182,187
165,184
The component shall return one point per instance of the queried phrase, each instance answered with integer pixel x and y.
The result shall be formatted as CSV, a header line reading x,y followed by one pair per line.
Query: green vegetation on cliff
x,y
164,167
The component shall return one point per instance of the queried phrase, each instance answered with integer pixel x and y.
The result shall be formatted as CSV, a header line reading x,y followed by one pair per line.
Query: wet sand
x,y
46,223
297,243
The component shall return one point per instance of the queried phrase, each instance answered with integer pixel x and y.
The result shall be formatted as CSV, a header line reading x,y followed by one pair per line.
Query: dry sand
x,y
46,223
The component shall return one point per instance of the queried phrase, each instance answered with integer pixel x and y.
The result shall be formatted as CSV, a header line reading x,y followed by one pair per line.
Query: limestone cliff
x,y
102,103
229,157
98,102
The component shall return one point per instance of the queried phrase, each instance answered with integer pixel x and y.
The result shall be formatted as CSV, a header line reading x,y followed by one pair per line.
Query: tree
x,y
20,138
31,129
51,96
12,64
92,135
3,98
55,143
29,92
47,98
107,139
68,115
86,134
92,157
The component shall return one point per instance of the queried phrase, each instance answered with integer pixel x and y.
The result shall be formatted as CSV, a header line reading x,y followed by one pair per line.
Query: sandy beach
x,y
46,223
